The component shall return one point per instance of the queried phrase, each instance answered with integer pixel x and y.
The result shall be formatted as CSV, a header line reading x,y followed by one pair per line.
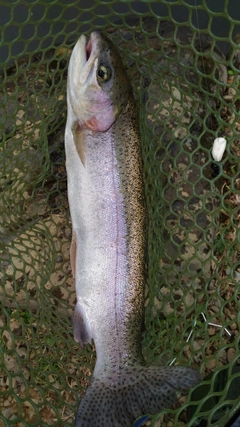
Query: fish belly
x,y
101,264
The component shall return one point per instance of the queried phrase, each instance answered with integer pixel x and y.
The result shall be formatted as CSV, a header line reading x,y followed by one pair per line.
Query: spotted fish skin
x,y
109,220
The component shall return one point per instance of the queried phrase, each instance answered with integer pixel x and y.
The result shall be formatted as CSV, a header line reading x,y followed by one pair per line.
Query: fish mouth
x,y
89,47
92,48
88,55
84,59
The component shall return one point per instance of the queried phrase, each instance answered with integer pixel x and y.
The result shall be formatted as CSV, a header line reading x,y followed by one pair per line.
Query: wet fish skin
x,y
109,219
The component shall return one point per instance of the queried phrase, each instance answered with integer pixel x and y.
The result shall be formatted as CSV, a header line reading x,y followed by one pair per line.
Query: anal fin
x,y
81,329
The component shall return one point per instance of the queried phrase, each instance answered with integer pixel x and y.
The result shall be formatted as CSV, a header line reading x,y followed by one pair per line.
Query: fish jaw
x,y
91,104
83,62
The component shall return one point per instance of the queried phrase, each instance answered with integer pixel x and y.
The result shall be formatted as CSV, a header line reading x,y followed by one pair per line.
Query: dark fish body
x,y
109,219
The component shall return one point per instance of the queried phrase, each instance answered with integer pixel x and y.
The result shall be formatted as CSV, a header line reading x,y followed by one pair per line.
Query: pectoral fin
x,y
78,141
81,329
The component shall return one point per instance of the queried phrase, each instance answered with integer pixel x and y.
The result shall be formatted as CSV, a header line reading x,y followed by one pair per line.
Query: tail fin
x,y
117,402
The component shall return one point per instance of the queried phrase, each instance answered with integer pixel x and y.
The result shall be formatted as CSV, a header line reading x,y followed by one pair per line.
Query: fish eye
x,y
103,73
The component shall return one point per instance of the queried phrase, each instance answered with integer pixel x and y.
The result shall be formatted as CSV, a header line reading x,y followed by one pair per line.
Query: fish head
x,y
98,85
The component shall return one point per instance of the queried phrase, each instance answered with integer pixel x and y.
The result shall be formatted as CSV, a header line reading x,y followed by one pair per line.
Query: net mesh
x,y
187,90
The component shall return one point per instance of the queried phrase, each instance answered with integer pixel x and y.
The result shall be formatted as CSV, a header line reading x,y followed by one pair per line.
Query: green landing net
x,y
184,63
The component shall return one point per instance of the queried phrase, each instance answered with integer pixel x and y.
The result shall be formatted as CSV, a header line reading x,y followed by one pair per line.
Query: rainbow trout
x,y
109,220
